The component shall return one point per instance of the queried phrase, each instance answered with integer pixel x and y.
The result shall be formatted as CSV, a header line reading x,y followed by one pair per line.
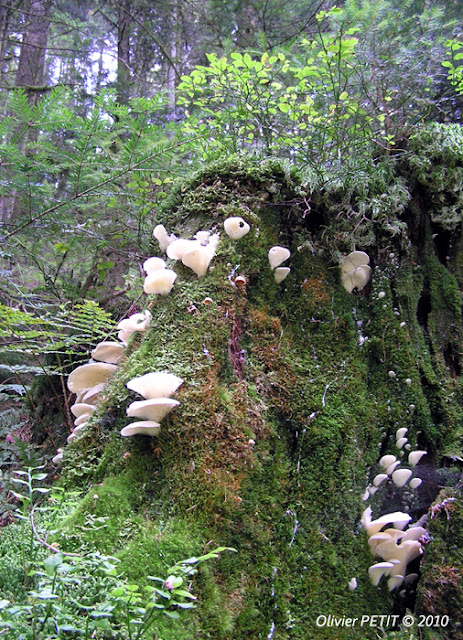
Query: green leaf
x,y
171,614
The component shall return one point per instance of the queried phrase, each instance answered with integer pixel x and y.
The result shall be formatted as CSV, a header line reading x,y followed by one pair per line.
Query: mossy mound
x,y
291,394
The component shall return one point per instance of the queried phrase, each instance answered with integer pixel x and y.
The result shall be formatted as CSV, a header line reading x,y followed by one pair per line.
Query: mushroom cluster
x,y
276,256
156,388
389,463
395,546
195,254
88,380
355,271
136,322
159,280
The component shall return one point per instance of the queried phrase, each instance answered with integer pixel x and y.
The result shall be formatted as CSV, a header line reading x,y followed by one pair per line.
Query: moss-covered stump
x,y
291,394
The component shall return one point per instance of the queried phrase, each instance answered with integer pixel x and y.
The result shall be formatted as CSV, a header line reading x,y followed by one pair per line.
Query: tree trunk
x,y
31,65
30,76
123,52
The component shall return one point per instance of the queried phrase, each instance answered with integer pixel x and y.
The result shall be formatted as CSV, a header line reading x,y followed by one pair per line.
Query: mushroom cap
x,y
352,584
153,264
415,483
377,539
387,549
59,456
394,582
355,272
82,419
379,478
413,533
135,322
401,442
124,336
387,460
356,279
407,551
155,385
378,570
281,273
110,352
202,237
400,477
91,395
81,408
354,260
155,409
277,255
236,227
88,375
161,235
177,249
397,518
392,467
400,433
415,456
143,427
159,281
198,259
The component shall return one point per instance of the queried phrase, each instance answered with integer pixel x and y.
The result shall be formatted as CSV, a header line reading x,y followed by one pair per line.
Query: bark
x,y
31,65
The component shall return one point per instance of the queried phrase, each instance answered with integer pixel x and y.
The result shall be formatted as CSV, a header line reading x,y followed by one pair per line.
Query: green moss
x,y
440,588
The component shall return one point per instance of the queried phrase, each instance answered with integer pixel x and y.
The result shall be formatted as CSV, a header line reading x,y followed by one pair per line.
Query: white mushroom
x,y
401,476
397,518
155,409
236,227
110,352
88,375
202,237
277,255
143,427
199,259
415,483
355,272
153,264
281,273
82,419
378,570
378,479
81,408
159,282
352,584
387,460
91,396
59,456
394,582
179,247
155,385
415,456
391,467
163,237
407,551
